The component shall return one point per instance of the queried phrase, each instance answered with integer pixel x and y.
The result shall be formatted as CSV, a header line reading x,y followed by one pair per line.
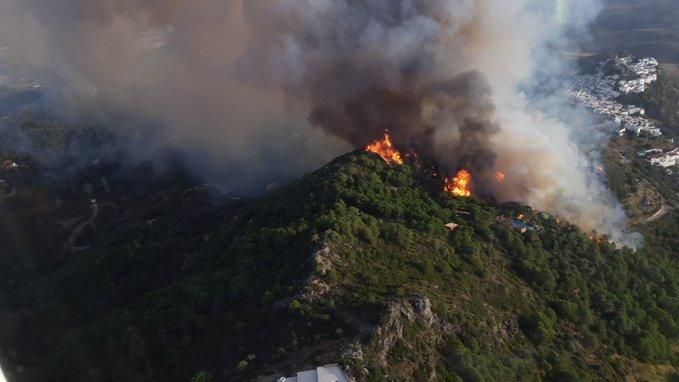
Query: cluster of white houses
x,y
597,92
632,120
643,71
659,158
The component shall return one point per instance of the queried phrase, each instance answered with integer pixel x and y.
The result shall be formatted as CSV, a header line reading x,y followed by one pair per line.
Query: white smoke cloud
x,y
244,81
170,64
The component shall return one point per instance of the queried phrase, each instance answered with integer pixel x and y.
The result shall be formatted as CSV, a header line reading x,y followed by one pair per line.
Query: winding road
x,y
78,230
664,208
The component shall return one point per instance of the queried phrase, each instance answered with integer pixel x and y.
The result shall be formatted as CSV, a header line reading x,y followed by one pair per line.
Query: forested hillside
x,y
352,264
662,99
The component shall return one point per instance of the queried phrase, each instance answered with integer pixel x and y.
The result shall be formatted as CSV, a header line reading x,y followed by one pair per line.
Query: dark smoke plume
x,y
281,86
413,118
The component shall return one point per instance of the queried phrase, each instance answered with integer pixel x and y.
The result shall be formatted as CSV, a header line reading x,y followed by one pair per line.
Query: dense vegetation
x,y
353,264
662,99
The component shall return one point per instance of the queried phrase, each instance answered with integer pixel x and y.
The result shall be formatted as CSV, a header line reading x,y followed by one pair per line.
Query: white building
x,y
649,79
633,110
654,131
327,373
667,159
623,61
645,70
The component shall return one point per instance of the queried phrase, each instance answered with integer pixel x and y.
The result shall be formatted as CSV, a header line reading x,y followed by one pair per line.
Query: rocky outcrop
x,y
315,288
409,325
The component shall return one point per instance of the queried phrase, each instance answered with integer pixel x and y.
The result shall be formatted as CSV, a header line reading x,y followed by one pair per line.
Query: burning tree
x,y
460,185
385,149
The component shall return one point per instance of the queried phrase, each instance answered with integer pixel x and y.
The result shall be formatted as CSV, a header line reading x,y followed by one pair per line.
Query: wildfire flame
x,y
385,149
460,185
500,176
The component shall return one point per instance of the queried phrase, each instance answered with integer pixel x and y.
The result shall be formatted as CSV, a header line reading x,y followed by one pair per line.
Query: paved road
x,y
664,208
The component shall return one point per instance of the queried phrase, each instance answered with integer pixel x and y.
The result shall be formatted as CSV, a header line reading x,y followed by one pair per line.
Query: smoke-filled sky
x,y
268,87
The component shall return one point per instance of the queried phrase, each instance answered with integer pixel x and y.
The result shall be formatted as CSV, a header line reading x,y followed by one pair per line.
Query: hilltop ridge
x,y
354,263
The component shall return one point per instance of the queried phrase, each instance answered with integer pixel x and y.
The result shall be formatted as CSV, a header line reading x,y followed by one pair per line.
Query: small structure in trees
x,y
451,226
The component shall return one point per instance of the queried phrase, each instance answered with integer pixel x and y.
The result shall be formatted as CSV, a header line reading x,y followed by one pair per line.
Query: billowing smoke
x,y
270,86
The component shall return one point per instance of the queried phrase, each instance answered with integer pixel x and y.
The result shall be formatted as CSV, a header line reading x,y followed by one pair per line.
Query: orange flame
x,y
500,176
460,185
385,149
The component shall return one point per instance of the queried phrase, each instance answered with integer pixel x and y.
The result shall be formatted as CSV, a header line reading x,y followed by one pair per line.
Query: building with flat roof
x,y
327,373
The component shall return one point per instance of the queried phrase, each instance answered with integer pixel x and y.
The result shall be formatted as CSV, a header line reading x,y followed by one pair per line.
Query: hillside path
x,y
78,230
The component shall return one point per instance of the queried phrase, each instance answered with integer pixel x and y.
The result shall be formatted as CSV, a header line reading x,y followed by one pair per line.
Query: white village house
x,y
327,373
668,159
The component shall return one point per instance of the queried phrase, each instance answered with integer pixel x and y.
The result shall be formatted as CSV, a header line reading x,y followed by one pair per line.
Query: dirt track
x,y
78,230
